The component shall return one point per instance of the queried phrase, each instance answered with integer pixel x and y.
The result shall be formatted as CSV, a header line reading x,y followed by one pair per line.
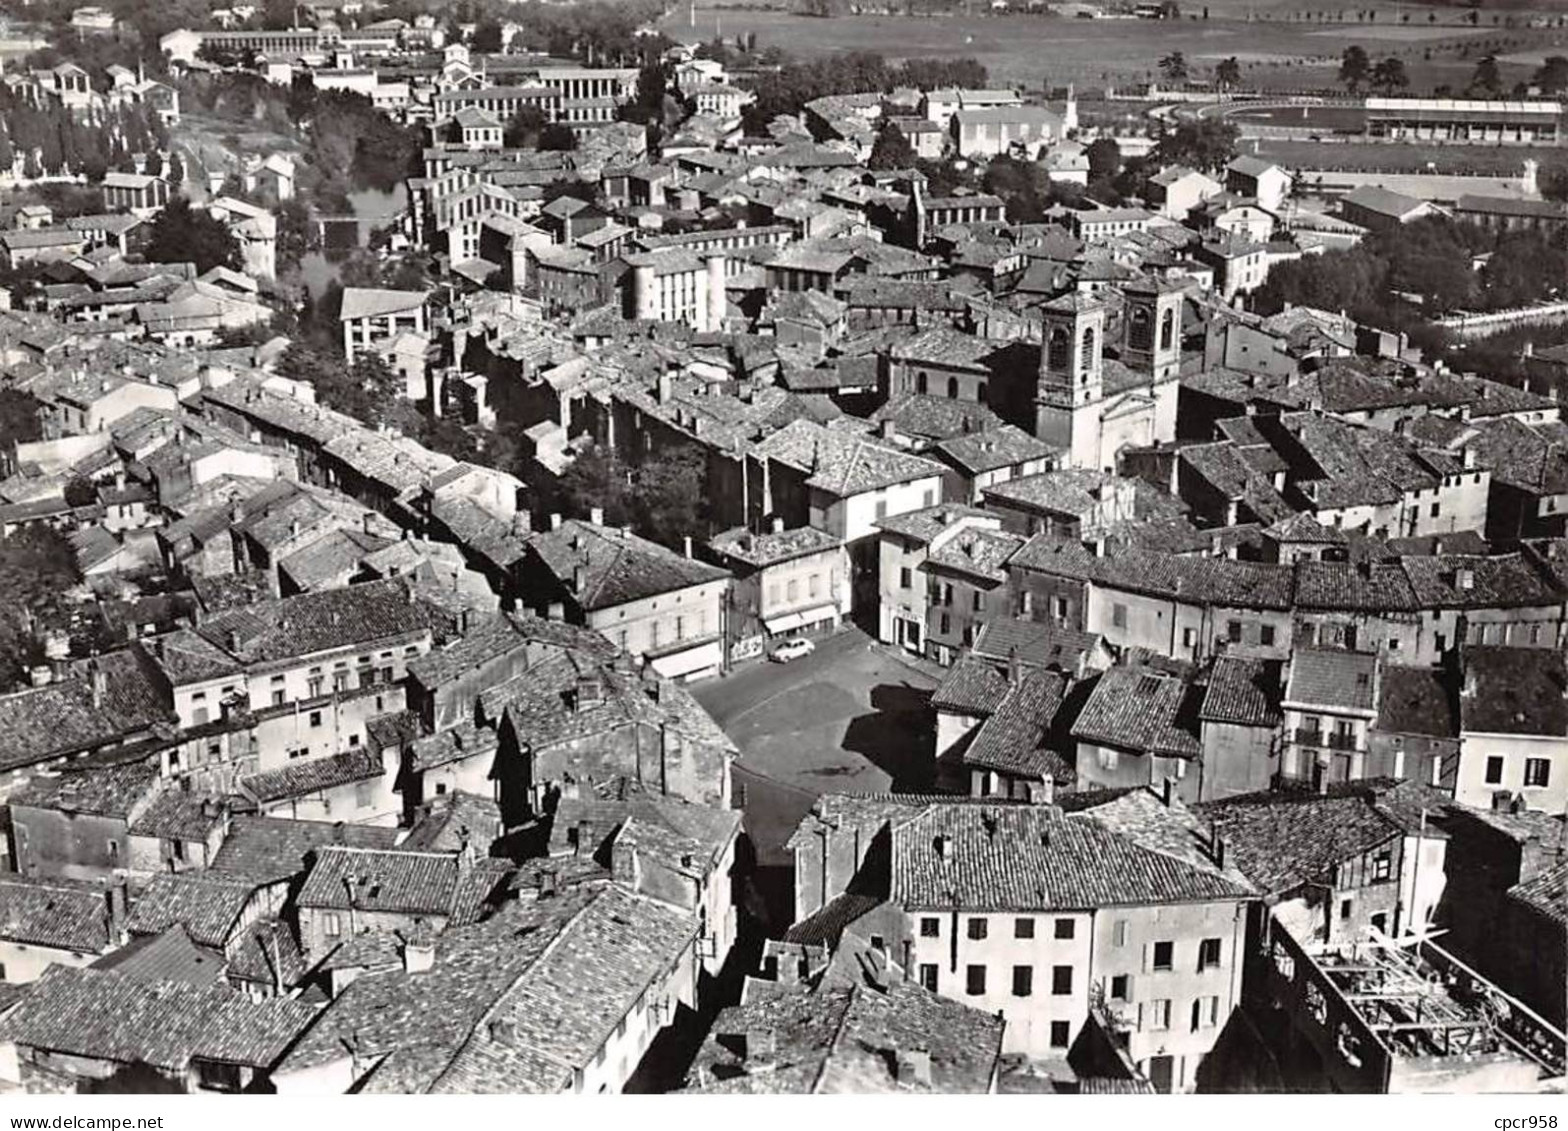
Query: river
x,y
317,269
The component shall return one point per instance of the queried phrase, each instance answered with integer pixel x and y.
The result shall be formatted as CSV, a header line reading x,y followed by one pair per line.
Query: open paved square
x,y
851,717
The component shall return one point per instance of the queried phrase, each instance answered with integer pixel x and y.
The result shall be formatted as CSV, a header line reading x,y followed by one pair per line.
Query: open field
x,y
1409,157
1275,52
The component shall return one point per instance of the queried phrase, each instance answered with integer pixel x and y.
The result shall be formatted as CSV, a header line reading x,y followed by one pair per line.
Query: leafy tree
x,y
557,136
1207,143
1354,67
18,419
1552,75
597,478
1105,158
37,566
182,234
671,501
891,149
1227,73
487,37
523,131
1389,75
80,492
1174,67
1487,77
294,238
1554,183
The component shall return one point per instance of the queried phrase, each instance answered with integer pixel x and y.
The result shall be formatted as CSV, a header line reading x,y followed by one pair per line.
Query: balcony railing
x,y
1309,737
1342,742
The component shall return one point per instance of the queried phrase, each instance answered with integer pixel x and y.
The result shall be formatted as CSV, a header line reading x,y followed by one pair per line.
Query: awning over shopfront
x,y
800,618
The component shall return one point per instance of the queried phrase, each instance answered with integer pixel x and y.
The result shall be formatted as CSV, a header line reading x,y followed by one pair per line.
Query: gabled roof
x,y
1334,679
102,1015
840,464
1514,691
1242,692
394,882
617,566
1283,840
1142,709
372,302
59,914
1026,857
207,905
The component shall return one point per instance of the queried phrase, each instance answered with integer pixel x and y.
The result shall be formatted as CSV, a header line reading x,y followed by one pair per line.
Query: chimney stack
x,y
914,1068
686,543
1168,791
596,516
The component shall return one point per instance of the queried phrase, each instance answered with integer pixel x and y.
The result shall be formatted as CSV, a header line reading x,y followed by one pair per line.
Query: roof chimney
x,y
686,544
522,524
555,522
1168,791
596,516
419,951
914,1068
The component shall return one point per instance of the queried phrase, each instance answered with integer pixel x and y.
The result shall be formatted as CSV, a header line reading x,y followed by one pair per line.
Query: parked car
x,y
792,650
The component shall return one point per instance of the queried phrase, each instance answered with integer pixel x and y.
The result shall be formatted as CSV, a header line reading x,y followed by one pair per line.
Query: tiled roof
x,y
167,957
975,552
826,925
369,302
567,1004
1514,691
1143,709
1013,739
300,779
412,883
1546,893
1242,692
270,631
841,464
452,821
64,914
1283,840
1479,581
1192,580
972,686
206,904
177,814
274,848
925,524
1333,678
1074,491
1417,701
420,1021
60,718
488,640
847,1038
994,448
1001,858
1371,586
104,1016
770,548
542,704
936,418
104,791
1039,643
618,566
